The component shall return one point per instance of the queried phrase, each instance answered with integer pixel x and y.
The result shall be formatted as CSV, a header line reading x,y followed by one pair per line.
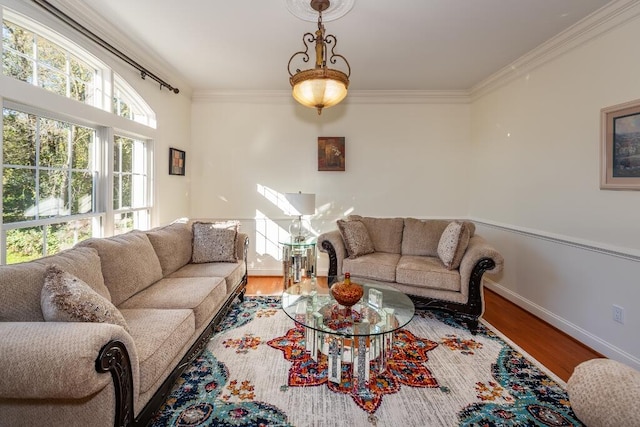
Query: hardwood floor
x,y
550,346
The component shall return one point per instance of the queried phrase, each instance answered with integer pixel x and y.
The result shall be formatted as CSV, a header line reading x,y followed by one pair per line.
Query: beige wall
x,y
571,250
401,160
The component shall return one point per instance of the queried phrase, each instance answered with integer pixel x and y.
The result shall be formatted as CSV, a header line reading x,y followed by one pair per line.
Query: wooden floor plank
x,y
553,348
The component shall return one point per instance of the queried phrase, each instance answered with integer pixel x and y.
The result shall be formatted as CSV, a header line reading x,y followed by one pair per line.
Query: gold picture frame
x,y
620,147
331,154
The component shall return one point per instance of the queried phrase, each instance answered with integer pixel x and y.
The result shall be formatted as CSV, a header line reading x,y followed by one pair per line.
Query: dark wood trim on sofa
x,y
114,358
471,311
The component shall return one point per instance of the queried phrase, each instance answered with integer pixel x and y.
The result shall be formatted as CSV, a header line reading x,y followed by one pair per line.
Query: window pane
x,y
66,235
126,147
82,147
51,54
53,193
139,157
54,143
19,194
79,90
141,220
123,222
116,191
24,244
52,80
19,145
17,66
81,192
17,38
81,70
126,192
121,108
139,192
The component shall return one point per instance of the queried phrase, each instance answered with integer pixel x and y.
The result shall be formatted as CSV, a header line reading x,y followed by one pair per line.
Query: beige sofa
x,y
83,373
438,263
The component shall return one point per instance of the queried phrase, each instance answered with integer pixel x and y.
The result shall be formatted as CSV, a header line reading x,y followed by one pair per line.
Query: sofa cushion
x,y
426,272
421,237
21,284
212,243
385,233
160,336
203,295
233,272
377,266
356,238
172,244
453,243
129,263
65,298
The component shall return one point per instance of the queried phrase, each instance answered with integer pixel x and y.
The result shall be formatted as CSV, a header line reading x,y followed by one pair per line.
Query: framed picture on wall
x,y
176,161
331,153
620,147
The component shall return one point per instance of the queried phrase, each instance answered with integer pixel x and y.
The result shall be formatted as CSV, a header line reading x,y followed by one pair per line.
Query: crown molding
x,y
599,22
94,22
241,96
409,97
354,96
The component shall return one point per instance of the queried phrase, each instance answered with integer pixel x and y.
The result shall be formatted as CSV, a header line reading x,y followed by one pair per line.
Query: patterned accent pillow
x,y
65,298
453,243
356,238
214,242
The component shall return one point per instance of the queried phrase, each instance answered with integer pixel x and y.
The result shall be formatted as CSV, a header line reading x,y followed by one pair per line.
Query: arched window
x,y
65,176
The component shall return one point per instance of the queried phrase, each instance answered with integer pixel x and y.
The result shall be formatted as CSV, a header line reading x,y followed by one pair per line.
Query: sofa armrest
x,y
57,360
478,251
331,242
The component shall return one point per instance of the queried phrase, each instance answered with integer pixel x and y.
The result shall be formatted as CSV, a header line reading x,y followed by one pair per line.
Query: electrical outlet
x,y
618,313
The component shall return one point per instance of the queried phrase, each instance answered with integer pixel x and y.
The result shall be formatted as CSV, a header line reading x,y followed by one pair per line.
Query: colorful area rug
x,y
255,372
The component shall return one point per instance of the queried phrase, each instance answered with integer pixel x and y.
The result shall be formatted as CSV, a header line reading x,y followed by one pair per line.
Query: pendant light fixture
x,y
319,87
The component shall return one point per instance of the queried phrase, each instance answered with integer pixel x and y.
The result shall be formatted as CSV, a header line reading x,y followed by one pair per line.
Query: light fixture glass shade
x,y
319,88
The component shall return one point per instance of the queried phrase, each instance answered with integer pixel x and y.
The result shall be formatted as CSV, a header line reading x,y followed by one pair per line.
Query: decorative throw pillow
x,y
453,243
356,238
214,242
65,298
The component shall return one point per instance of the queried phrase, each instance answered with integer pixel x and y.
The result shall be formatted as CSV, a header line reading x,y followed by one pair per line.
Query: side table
x,y
298,261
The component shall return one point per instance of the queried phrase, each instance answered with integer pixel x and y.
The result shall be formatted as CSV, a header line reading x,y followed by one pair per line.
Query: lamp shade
x,y
302,203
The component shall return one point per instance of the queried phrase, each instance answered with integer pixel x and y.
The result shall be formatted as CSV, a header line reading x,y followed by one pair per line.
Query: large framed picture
x,y
620,147
177,160
331,153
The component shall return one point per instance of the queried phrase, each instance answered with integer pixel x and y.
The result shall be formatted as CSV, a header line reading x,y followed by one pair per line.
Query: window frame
x,y
25,97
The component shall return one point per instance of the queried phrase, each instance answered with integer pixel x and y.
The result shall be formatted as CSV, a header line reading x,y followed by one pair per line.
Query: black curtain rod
x,y
87,33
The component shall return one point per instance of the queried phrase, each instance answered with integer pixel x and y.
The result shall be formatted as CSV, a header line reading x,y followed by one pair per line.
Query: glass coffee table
x,y
357,339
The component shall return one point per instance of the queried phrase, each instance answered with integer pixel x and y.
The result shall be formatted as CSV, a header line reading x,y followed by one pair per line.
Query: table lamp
x,y
301,204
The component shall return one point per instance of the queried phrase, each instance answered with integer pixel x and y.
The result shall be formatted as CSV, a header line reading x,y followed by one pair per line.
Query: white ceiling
x,y
391,45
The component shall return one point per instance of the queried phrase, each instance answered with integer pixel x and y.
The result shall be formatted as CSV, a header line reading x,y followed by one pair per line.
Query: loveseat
x,y
118,363
437,263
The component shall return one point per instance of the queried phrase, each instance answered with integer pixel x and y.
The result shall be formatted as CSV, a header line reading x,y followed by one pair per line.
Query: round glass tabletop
x,y
381,309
